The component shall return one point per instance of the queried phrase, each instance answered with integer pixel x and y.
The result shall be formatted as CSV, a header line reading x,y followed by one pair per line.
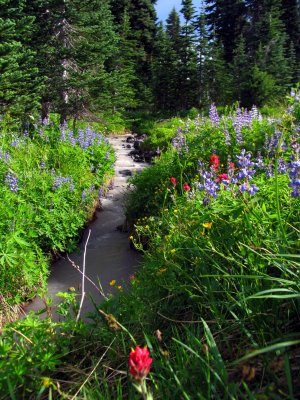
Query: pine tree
x,y
173,30
269,43
219,77
166,73
291,19
20,85
241,72
226,21
202,59
142,23
188,55
94,42
122,66
53,44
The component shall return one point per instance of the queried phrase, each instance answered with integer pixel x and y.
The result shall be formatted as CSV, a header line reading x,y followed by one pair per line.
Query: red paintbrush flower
x,y
222,177
173,181
214,161
140,363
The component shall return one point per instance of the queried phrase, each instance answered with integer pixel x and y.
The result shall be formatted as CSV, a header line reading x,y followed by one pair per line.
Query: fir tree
x,y
241,68
188,55
291,19
226,20
142,24
202,59
20,85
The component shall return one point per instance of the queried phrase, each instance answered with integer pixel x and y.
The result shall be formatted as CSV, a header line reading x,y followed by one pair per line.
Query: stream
x,y
108,254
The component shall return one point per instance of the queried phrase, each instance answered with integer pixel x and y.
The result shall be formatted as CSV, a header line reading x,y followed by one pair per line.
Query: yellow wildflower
x,y
173,251
161,270
113,282
207,225
46,382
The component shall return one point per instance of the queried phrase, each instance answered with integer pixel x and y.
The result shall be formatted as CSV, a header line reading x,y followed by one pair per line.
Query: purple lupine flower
x,y
107,155
253,189
259,161
255,114
209,184
57,183
206,201
11,180
42,164
213,115
60,180
269,169
282,166
4,156
294,175
227,137
244,187
179,142
62,135
271,144
81,138
246,165
83,195
15,143
238,124
45,121
71,138
101,193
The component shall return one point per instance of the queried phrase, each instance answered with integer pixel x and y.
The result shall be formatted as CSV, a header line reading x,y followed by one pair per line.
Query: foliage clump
x,y
49,177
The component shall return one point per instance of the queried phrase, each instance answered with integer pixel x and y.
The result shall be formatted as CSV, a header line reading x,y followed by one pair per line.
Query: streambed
x,y
108,254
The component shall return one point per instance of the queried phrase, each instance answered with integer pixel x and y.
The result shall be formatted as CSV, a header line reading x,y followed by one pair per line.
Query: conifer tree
x,y
142,22
202,59
241,72
188,54
268,44
94,42
122,66
173,29
20,85
219,77
291,19
226,20
173,57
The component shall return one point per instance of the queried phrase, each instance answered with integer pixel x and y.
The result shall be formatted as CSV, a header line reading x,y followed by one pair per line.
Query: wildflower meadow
x,y
213,312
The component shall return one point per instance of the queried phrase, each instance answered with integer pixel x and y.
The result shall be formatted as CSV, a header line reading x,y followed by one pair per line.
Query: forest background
x,y
81,57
